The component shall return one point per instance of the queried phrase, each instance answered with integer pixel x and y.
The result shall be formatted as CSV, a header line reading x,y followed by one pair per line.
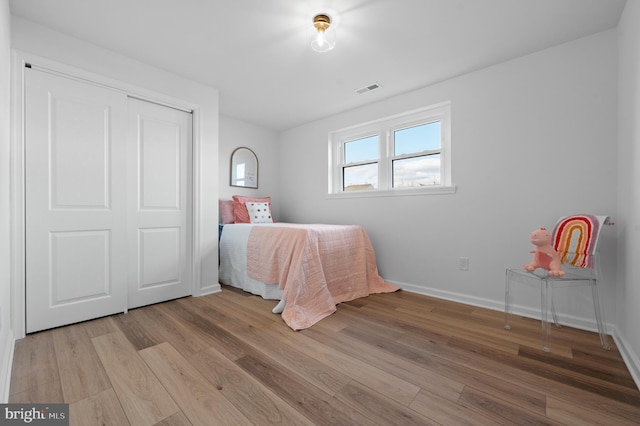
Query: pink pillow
x,y
226,211
240,213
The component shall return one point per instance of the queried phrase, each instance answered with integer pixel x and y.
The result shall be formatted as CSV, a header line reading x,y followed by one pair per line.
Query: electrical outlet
x,y
464,263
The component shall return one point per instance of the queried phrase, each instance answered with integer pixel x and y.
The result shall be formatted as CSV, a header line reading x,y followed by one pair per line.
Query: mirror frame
x,y
251,171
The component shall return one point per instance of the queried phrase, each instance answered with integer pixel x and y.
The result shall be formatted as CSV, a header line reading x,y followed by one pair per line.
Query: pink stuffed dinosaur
x,y
545,256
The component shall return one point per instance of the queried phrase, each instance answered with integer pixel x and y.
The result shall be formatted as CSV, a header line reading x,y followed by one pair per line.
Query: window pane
x,y
357,178
416,171
420,138
361,150
240,174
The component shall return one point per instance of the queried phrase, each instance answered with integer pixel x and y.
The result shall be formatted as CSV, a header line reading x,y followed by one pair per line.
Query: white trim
x,y
17,196
195,202
394,117
398,192
569,320
630,358
448,295
212,289
19,61
383,128
6,365
139,93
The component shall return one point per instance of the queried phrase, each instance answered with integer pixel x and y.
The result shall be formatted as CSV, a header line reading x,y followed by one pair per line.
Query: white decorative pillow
x,y
259,212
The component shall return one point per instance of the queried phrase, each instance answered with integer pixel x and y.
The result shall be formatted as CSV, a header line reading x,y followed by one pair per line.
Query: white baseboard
x,y
454,297
630,358
6,357
581,323
210,289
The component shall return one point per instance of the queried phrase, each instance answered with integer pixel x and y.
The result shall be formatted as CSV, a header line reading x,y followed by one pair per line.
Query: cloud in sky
x,y
417,171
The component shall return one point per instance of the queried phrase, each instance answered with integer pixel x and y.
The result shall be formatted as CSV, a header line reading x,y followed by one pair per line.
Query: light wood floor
x,y
386,359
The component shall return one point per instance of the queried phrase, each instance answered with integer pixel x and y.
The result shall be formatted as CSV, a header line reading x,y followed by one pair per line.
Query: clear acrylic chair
x,y
575,238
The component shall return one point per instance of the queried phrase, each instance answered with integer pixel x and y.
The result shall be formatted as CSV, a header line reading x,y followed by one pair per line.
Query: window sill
x,y
431,190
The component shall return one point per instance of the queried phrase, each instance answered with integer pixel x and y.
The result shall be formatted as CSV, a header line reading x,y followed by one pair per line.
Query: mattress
x,y
233,263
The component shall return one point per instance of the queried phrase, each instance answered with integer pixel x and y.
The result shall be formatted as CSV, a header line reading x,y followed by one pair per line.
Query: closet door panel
x,y
159,192
75,213
160,156
69,250
160,260
80,146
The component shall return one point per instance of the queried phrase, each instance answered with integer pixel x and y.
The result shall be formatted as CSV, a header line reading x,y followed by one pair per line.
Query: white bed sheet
x,y
233,263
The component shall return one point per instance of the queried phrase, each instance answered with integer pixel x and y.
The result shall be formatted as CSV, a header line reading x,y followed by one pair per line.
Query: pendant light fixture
x,y
323,38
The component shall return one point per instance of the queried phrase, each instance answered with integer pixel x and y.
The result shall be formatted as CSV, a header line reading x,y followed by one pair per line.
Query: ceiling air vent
x,y
368,88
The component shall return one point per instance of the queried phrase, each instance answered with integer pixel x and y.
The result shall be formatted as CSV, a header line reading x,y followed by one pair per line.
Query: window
x,y
407,153
361,164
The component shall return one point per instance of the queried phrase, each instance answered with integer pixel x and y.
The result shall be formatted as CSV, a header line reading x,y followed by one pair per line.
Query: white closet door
x,y
159,155
75,207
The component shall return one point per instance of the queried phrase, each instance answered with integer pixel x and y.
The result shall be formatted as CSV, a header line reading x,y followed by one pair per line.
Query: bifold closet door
x,y
159,225
75,169
107,201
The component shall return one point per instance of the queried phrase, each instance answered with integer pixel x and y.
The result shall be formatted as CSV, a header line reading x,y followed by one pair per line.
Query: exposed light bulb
x,y
323,38
320,38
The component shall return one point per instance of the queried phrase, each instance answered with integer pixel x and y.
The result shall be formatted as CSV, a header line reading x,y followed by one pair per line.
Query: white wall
x,y
628,298
37,40
532,139
235,133
6,332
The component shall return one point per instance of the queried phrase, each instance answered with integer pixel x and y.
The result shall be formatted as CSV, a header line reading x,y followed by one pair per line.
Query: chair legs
x,y
604,339
507,300
553,310
546,299
546,304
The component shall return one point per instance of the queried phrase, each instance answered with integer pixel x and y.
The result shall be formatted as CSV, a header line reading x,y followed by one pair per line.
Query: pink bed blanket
x,y
316,266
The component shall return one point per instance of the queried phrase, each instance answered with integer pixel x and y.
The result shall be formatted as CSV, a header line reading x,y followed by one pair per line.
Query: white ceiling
x,y
256,52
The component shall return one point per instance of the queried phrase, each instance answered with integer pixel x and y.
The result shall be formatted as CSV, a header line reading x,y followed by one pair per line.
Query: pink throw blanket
x,y
316,266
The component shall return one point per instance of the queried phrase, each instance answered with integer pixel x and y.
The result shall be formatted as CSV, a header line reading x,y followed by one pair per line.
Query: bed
x,y
312,268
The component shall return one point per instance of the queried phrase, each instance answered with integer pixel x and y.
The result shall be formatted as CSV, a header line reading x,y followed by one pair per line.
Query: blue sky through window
x,y
361,150
417,139
416,171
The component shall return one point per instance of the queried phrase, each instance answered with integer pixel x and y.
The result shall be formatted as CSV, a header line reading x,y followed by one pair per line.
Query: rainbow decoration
x,y
574,238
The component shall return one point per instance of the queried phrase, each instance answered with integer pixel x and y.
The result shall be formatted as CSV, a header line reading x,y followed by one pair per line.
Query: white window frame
x,y
385,128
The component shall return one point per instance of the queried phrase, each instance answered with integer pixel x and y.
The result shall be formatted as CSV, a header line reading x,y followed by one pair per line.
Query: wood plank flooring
x,y
399,358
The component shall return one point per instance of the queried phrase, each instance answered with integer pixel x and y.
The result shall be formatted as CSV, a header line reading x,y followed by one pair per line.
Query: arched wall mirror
x,y
244,168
